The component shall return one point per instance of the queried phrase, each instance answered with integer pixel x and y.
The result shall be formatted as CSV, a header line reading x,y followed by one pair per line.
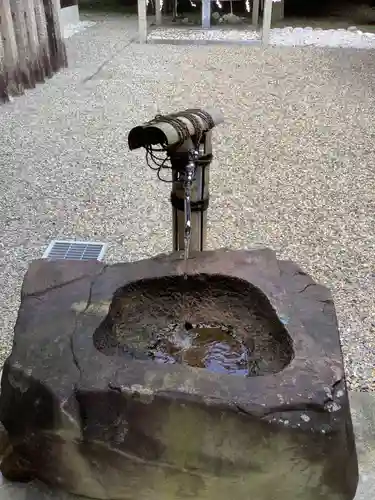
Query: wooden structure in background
x,y
31,44
266,6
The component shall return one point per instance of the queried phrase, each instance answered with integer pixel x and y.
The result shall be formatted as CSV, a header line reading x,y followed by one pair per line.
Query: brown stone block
x,y
96,401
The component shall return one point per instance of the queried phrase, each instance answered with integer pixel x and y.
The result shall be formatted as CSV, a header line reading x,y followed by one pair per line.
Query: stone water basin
x,y
129,381
213,322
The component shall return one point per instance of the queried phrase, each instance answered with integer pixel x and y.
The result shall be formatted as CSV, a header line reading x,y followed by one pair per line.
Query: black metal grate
x,y
75,250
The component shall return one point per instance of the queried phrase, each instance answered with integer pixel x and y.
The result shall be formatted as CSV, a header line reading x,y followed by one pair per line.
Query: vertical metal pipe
x,y
199,197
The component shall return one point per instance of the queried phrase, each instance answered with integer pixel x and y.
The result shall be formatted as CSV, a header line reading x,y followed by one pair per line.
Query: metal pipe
x,y
160,132
190,164
199,196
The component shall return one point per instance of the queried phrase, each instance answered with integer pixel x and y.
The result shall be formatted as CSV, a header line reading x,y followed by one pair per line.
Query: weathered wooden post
x,y
43,49
32,32
56,43
31,44
23,45
10,69
3,85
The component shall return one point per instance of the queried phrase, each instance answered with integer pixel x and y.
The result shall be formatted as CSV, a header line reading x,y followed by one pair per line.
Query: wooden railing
x,y
31,44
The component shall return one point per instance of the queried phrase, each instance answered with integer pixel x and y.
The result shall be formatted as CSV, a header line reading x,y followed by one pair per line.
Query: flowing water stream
x,y
190,169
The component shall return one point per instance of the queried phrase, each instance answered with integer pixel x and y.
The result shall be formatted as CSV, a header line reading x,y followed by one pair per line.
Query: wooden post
x,y
158,14
44,53
142,21
32,31
267,17
11,76
55,41
255,13
19,24
31,44
206,14
3,84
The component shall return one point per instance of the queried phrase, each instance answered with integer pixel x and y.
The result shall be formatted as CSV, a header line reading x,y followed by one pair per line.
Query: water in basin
x,y
211,322
202,346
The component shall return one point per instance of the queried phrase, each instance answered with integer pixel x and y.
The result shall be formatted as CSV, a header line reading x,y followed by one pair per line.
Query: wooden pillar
x,y
56,43
3,84
20,30
255,12
31,45
10,68
158,14
32,31
267,17
142,21
206,14
41,25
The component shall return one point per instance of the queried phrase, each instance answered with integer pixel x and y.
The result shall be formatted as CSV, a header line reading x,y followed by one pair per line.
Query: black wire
x,y
160,163
160,178
183,133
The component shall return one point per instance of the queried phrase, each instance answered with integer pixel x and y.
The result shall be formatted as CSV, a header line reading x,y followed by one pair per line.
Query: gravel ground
x,y
286,37
294,166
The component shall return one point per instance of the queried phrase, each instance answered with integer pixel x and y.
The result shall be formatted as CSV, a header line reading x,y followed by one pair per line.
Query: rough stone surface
x,y
110,426
363,411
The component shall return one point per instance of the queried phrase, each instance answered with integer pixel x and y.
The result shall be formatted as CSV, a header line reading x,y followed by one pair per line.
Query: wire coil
x,y
164,163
